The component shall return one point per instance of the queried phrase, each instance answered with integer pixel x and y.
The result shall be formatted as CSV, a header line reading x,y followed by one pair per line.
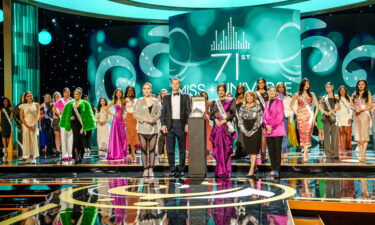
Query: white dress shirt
x,y
175,100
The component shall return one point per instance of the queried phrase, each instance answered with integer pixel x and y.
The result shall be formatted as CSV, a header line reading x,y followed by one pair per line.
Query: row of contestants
x,y
264,114
337,110
102,117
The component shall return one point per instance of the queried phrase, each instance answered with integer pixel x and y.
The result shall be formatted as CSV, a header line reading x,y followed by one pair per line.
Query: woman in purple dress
x,y
117,137
222,112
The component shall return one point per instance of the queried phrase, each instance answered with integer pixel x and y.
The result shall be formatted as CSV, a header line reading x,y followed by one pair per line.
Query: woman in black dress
x,y
240,98
262,98
6,117
250,124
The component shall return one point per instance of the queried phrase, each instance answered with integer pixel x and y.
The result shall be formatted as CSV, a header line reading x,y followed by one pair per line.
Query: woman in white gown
x,y
29,116
102,118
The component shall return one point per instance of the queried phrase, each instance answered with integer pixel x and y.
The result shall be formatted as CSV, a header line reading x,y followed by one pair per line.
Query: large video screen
x,y
235,46
203,48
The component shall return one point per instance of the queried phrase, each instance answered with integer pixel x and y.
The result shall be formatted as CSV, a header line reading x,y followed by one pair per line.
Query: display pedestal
x,y
197,148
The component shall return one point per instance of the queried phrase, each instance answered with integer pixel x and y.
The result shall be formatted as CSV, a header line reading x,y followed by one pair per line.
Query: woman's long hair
x,y
237,92
127,91
265,83
302,87
2,102
365,92
114,97
282,84
99,105
346,92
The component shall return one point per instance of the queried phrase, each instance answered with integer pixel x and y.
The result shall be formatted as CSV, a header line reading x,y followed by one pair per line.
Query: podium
x,y
197,147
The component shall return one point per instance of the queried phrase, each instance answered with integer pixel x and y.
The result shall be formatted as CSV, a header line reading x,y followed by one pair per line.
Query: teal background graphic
x,y
280,46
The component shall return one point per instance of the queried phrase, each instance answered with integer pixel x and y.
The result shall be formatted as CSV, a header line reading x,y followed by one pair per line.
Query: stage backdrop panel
x,y
235,46
127,55
339,47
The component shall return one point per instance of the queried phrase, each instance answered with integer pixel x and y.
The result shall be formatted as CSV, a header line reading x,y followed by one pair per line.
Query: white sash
x,y
327,104
224,115
8,118
260,97
45,113
329,107
131,102
78,116
308,109
345,105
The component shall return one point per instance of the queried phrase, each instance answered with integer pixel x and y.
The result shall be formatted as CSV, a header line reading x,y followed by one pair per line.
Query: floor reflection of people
x,y
149,216
347,189
305,190
175,216
333,189
119,200
223,215
364,189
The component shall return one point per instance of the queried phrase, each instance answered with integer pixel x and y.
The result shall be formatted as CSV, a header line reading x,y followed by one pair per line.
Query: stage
x,y
128,200
99,190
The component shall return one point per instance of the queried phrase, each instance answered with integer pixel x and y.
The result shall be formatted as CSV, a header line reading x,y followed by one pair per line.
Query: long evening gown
x,y
362,122
30,136
222,140
304,127
131,124
102,131
117,137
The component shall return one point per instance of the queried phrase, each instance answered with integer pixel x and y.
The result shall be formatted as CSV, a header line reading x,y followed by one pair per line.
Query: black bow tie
x,y
177,93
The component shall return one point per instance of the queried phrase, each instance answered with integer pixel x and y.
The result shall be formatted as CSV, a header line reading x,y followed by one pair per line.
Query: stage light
x,y
133,42
53,20
6,187
100,36
114,8
44,37
39,187
1,16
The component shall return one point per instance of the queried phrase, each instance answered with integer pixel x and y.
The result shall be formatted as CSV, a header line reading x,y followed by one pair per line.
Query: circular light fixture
x,y
44,37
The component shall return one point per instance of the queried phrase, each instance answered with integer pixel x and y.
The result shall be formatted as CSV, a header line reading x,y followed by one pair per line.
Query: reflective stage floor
x,y
294,163
132,200
99,192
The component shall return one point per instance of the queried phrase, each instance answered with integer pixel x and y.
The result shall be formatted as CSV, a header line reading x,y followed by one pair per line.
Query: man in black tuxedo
x,y
175,113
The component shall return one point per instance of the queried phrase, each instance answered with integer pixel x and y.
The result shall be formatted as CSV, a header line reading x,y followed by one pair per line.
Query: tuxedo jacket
x,y
166,111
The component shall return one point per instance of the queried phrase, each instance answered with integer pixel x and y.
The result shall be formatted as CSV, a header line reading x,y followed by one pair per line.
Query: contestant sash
x,y
8,118
330,108
224,115
261,99
344,102
78,116
308,109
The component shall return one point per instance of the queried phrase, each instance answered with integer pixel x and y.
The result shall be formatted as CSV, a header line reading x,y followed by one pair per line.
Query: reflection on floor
x,y
316,158
184,201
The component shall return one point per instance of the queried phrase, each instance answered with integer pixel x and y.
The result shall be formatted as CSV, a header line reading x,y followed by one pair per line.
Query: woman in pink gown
x,y
117,137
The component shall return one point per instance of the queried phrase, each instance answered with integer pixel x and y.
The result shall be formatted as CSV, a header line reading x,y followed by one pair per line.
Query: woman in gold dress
x,y
362,105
